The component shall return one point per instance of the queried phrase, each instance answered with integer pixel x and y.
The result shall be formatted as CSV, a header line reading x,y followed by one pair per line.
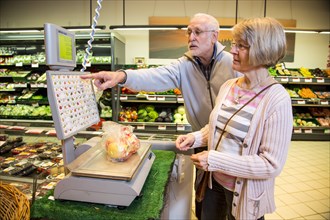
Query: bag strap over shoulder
x,y
223,130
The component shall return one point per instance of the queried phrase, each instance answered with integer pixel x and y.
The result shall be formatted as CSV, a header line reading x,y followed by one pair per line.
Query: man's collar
x,y
213,55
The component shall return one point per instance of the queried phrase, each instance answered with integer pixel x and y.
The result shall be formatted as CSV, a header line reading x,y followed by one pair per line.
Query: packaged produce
x,y
119,141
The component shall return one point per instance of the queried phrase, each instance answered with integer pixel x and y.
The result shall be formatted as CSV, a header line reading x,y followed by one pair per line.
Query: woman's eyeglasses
x,y
239,47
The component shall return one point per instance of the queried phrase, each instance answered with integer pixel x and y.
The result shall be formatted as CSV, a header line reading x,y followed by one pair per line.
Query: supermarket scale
x,y
90,177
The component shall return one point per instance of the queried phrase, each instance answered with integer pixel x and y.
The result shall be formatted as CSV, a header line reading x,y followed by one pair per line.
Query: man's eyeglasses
x,y
196,32
239,47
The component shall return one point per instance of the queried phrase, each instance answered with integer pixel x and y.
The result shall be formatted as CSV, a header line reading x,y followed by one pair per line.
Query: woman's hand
x,y
200,160
184,142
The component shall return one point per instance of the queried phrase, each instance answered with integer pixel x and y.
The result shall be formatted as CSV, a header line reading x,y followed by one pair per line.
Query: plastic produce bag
x,y
119,141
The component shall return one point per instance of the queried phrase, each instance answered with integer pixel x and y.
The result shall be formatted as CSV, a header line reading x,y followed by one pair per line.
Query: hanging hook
x,y
236,14
124,4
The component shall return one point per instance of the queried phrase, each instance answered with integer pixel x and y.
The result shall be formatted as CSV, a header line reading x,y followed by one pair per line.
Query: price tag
x,y
34,131
162,127
180,127
161,98
35,104
301,102
51,133
17,128
3,126
35,65
320,80
123,97
326,131
19,64
41,85
34,85
308,131
151,98
180,99
297,130
308,80
140,127
324,102
295,79
284,79
20,85
89,64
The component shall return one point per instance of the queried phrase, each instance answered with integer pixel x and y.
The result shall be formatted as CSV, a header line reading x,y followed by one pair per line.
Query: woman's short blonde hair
x,y
266,39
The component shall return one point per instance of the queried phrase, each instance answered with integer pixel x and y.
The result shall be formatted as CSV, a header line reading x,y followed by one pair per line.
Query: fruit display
x,y
304,123
165,115
306,93
180,115
324,121
303,115
125,90
128,114
24,159
322,94
24,111
305,72
292,93
282,70
320,112
318,73
106,112
147,113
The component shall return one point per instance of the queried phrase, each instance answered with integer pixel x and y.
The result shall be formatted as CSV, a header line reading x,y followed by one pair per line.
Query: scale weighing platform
x,y
90,177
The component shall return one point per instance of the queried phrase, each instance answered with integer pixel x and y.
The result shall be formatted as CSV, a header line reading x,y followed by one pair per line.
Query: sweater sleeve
x,y
201,137
272,148
155,79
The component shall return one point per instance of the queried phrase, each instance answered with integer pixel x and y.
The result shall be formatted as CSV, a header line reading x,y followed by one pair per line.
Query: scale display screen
x,y
65,46
60,47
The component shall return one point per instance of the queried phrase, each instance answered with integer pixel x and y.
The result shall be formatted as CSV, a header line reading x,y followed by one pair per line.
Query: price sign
x,y
51,133
320,80
297,130
284,79
41,85
35,65
162,127
35,104
20,85
19,64
180,99
88,64
308,80
308,131
295,79
161,98
123,97
140,127
301,102
180,127
34,131
151,98
33,85
324,102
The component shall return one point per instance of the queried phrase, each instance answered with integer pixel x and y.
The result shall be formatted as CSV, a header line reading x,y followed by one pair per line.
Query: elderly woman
x,y
249,129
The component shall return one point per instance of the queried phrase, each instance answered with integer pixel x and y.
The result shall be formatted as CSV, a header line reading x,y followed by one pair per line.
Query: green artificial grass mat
x,y
148,206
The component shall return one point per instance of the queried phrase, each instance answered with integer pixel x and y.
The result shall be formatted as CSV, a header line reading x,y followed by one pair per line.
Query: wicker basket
x,y
14,205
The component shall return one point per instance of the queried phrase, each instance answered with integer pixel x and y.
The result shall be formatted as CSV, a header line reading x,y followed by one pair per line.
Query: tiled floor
x,y
302,190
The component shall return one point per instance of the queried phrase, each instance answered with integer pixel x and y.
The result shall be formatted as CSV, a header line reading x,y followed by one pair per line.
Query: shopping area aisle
x,y
302,190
